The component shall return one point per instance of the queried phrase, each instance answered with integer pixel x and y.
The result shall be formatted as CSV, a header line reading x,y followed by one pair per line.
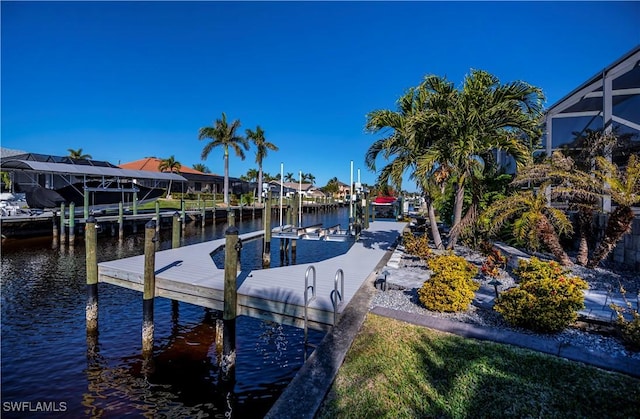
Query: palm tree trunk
x,y
619,223
226,176
260,185
550,239
457,214
437,240
585,219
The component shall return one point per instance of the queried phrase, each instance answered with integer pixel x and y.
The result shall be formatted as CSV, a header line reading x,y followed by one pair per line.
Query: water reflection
x,y
48,355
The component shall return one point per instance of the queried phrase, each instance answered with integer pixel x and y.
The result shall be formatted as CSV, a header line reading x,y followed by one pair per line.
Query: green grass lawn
x,y
395,369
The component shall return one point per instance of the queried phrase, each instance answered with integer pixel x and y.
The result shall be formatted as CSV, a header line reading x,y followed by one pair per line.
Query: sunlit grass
x,y
395,369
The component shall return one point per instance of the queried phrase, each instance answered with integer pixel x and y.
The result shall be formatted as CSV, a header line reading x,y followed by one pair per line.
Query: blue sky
x,y
126,80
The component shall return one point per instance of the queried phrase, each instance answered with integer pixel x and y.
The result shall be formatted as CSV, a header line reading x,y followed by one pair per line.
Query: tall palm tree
x,y
408,139
484,115
308,177
201,168
224,135
170,165
288,177
262,147
77,154
535,222
624,188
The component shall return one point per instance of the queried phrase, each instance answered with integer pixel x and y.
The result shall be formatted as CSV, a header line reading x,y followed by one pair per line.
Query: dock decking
x,y
189,274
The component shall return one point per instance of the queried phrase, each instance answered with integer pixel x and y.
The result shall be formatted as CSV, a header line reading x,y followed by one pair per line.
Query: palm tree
x,y
201,168
308,177
535,221
408,139
289,177
224,135
170,165
624,188
483,116
77,154
262,147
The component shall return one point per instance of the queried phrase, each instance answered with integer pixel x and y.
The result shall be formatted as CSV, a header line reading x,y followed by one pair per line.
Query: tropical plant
x,y
6,180
169,165
201,168
451,288
77,154
624,188
262,147
332,186
483,116
289,177
308,178
408,139
536,222
224,135
547,299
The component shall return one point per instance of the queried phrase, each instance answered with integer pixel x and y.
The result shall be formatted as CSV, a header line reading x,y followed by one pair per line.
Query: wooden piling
x,y
157,215
85,208
63,233
149,287
266,218
72,224
231,218
183,214
203,213
91,240
231,251
175,231
120,221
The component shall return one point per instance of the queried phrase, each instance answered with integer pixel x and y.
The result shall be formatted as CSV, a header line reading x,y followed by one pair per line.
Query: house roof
x,y
294,185
67,166
152,164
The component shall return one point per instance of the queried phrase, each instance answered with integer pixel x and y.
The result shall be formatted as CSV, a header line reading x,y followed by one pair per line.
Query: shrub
x,y
417,245
629,327
547,300
451,287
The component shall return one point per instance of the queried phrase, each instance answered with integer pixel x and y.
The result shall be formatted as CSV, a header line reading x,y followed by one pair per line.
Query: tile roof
x,y
152,164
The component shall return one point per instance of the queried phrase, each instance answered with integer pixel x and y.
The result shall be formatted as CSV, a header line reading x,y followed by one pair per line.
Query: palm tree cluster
x,y
582,183
445,138
224,134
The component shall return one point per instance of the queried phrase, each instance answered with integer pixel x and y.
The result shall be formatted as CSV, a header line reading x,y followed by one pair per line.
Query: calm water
x,y
48,364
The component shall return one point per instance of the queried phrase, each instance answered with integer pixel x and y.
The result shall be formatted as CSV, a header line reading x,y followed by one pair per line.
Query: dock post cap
x,y
176,214
232,230
150,224
91,219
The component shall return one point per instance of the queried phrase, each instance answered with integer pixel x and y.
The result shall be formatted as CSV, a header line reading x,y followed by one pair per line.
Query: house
x,y
197,182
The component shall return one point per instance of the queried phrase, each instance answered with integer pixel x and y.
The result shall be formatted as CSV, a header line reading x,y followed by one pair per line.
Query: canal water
x,y
50,368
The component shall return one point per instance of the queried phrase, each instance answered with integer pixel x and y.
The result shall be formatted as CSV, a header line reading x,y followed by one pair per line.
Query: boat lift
x,y
313,232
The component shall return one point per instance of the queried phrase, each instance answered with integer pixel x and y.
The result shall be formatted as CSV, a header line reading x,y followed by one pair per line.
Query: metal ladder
x,y
308,300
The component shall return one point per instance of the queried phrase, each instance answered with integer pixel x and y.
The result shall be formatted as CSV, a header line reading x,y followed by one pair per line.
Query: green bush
x,y
451,287
629,327
417,245
547,300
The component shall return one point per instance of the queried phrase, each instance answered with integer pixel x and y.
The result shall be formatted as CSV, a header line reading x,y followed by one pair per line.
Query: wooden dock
x,y
189,274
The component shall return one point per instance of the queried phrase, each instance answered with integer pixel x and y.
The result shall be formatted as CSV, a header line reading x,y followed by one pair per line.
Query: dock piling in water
x,y
72,224
266,218
63,237
149,287
91,240
231,251
175,232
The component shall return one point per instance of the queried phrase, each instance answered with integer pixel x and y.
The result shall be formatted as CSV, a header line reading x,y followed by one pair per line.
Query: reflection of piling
x,y
266,217
157,216
149,287
72,224
92,275
232,248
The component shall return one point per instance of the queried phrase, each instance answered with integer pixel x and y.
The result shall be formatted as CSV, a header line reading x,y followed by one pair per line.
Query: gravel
x,y
592,340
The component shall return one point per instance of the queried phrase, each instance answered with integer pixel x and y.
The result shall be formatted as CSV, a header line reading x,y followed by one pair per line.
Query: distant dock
x,y
189,274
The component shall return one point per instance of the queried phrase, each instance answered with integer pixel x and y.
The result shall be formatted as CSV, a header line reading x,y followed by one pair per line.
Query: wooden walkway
x,y
189,274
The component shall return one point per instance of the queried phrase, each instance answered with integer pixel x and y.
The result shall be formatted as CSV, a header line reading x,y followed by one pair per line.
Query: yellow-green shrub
x,y
417,245
547,300
451,287
629,327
